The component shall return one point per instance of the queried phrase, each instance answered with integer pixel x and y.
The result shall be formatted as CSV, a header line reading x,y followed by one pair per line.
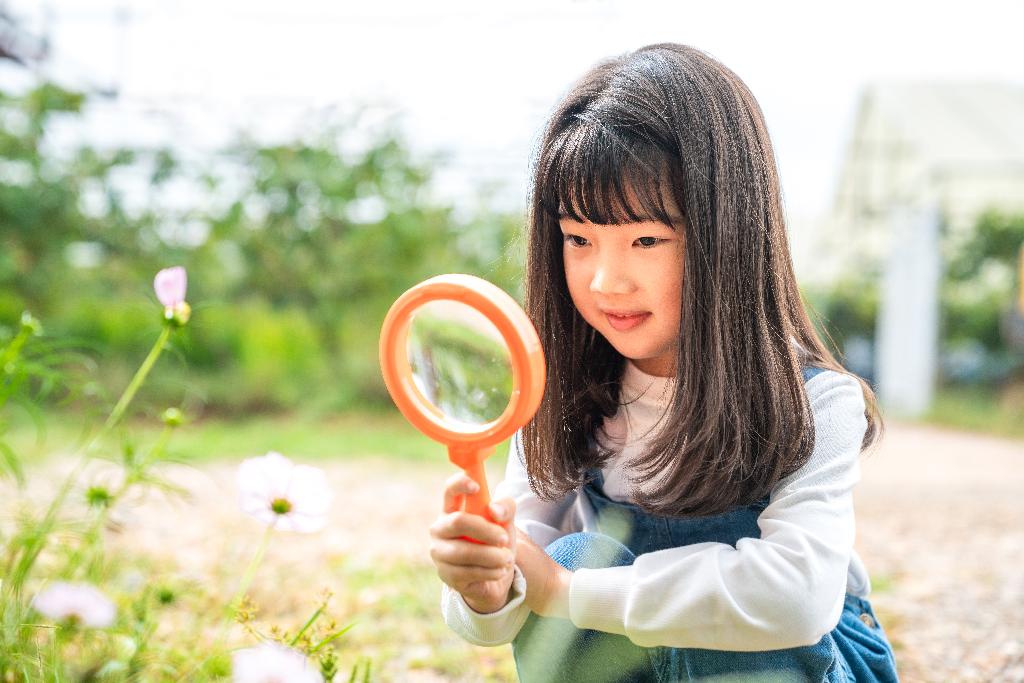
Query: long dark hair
x,y
657,132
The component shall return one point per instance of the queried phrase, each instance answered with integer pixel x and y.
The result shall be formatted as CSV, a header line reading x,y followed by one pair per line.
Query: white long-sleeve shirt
x,y
784,589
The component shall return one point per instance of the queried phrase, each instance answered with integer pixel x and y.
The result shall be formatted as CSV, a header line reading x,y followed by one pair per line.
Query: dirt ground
x,y
940,527
940,518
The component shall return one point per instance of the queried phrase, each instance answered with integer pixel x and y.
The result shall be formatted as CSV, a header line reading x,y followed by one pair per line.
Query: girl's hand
x,y
547,582
481,572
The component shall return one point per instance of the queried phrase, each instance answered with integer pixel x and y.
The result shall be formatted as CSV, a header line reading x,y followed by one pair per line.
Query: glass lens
x,y
459,362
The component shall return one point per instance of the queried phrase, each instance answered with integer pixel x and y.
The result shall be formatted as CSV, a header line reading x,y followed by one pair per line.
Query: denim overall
x,y
549,649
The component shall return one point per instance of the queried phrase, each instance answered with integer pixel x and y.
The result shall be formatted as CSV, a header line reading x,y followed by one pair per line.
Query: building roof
x,y
955,123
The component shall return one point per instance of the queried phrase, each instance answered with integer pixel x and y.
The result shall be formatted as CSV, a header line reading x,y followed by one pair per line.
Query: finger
x,y
461,577
465,553
458,486
458,524
503,512
467,580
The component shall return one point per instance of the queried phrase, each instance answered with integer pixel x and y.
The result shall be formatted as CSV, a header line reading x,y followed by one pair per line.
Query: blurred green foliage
x,y
296,250
981,282
844,309
463,371
294,253
978,294
41,211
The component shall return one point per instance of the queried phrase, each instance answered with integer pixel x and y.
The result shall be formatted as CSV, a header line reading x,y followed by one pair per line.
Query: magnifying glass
x,y
464,365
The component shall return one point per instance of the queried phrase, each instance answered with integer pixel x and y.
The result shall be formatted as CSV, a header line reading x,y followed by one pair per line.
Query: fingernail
x,y
503,539
498,511
474,487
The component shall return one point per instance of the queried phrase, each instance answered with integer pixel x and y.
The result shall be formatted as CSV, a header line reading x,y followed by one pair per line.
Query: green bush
x,y
844,309
979,288
72,608
307,245
279,353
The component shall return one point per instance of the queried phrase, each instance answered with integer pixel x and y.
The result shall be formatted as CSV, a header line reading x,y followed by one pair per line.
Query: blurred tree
x,y
340,234
844,313
16,44
982,280
65,232
980,285
295,251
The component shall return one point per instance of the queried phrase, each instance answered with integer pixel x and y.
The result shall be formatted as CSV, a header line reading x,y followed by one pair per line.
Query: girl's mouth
x,y
626,322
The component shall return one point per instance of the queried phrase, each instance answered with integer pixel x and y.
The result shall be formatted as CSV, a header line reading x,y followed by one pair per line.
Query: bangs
x,y
594,174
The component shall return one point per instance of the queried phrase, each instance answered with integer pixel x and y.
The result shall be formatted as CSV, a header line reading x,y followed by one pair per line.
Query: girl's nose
x,y
611,278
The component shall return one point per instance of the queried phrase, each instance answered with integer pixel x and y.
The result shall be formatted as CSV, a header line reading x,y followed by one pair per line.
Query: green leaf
x,y
332,637
11,462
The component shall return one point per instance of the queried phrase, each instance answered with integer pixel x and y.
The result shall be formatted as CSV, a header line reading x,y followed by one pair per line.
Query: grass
x,y
978,410
882,583
300,437
396,605
394,602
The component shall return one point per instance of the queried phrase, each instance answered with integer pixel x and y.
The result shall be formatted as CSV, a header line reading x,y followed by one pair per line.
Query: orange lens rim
x,y
520,336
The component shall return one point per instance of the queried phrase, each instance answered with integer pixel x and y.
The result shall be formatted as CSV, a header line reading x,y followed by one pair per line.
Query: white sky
x,y
479,77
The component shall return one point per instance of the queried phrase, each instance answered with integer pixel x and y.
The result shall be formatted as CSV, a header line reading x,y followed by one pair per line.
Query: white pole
x,y
908,320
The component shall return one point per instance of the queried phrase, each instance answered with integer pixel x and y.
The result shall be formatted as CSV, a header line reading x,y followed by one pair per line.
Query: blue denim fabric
x,y
553,650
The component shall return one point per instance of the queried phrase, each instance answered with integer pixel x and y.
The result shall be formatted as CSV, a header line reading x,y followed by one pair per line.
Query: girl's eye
x,y
649,241
576,240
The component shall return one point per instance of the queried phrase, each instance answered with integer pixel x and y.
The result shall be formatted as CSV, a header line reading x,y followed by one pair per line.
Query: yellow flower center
x,y
281,506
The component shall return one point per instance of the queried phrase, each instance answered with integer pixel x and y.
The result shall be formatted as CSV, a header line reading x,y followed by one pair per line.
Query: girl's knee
x,y
587,550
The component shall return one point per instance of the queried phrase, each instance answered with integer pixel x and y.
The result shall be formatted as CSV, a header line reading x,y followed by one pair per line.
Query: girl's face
x,y
626,281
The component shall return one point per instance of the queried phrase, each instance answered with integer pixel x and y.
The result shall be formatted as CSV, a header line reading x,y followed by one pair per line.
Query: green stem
x,y
331,638
35,547
247,578
305,627
90,549
133,476
232,607
10,354
137,380
161,444
12,350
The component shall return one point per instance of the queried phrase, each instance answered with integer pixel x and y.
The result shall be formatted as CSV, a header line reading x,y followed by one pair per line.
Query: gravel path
x,y
940,527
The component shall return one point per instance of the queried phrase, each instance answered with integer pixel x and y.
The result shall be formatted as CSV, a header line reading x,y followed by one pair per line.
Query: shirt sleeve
x,y
784,589
543,521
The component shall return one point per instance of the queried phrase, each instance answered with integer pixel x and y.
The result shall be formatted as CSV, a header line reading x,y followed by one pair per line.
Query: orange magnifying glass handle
x,y
476,503
468,444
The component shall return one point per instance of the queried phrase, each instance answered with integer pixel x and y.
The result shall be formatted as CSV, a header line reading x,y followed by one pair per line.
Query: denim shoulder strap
x,y
811,371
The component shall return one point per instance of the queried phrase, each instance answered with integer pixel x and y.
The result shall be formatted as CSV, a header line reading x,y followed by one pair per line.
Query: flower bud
x,y
165,595
125,647
178,314
172,417
31,323
329,665
98,497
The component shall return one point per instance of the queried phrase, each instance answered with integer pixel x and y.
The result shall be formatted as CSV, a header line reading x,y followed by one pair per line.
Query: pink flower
x,y
272,663
291,497
170,285
81,602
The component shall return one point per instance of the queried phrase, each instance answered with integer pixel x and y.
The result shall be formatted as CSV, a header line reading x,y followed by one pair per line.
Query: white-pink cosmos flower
x,y
170,285
82,602
272,663
288,496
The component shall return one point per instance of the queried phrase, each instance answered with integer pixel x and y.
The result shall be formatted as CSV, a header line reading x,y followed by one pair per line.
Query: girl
x,y
681,506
